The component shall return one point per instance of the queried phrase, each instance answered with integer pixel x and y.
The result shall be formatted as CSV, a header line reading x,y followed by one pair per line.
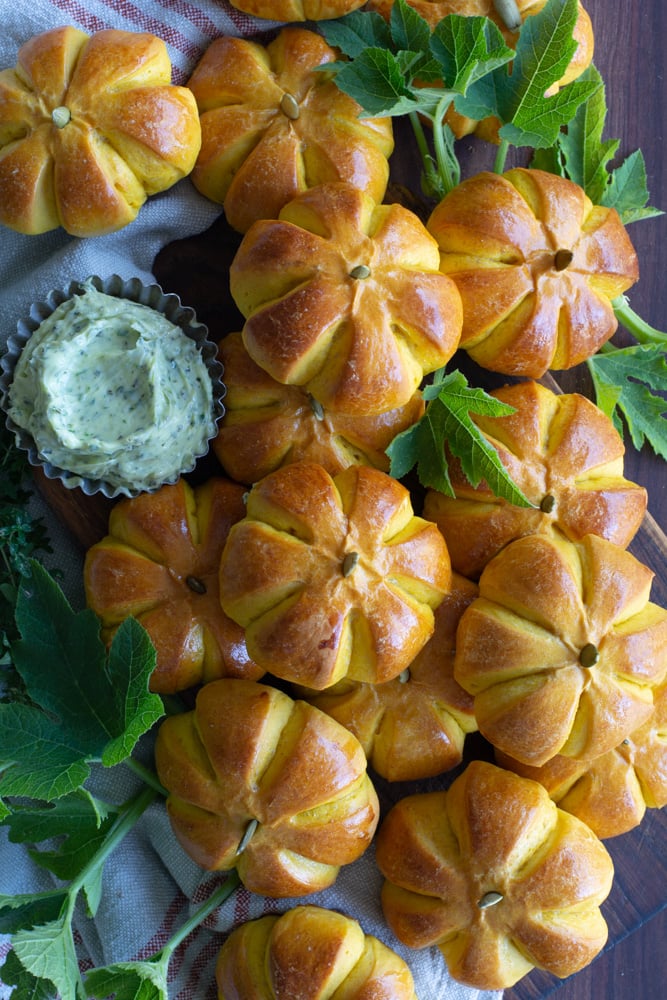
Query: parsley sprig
x,y
21,538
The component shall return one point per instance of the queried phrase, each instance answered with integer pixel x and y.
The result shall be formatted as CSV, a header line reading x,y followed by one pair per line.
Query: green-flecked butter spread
x,y
110,389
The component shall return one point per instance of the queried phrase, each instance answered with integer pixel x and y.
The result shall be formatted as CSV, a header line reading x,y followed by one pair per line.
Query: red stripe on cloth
x,y
241,905
172,36
166,928
246,25
203,964
195,15
181,952
270,906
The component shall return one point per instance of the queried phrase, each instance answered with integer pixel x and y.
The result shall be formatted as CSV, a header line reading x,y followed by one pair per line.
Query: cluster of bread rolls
x,y
330,628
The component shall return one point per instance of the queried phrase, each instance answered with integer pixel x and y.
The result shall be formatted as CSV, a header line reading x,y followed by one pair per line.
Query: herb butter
x,y
110,389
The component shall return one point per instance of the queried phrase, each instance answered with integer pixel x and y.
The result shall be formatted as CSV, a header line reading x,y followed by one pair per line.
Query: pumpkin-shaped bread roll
x,y
333,577
274,124
433,12
296,10
345,297
562,649
90,125
159,563
565,455
267,424
537,266
414,726
611,793
309,953
495,875
267,785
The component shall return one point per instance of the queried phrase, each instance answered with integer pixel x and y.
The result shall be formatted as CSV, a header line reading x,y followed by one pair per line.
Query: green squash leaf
x,y
26,910
131,980
468,49
582,154
516,95
47,952
85,706
632,381
448,421
25,985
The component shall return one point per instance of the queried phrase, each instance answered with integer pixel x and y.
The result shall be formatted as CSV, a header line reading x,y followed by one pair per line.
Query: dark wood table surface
x,y
630,41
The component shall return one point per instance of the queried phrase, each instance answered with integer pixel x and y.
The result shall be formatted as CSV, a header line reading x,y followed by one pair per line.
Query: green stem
x,y
447,176
147,775
126,820
430,183
9,569
639,328
216,899
501,156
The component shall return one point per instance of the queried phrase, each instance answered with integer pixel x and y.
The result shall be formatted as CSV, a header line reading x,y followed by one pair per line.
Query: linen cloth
x,y
150,885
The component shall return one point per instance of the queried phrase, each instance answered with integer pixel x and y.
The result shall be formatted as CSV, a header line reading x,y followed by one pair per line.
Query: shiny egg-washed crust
x,y
433,12
273,125
444,853
296,10
309,952
159,563
333,577
267,424
611,793
248,753
130,132
565,455
537,266
344,297
562,649
414,726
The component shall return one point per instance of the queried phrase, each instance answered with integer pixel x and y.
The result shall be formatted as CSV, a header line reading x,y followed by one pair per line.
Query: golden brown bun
x,y
159,563
333,577
273,126
433,12
309,953
344,297
131,132
562,649
296,10
506,241
250,753
267,424
567,458
612,792
415,726
493,832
